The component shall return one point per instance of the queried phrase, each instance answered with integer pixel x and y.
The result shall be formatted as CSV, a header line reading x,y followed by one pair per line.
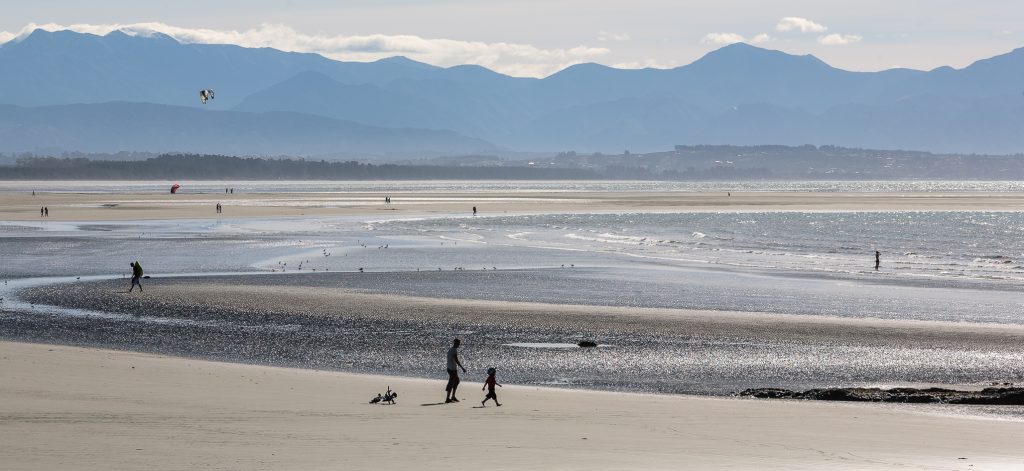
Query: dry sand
x,y
23,206
74,408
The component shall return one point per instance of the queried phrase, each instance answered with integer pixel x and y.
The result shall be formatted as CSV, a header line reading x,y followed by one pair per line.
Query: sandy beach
x,y
105,407
23,206
74,408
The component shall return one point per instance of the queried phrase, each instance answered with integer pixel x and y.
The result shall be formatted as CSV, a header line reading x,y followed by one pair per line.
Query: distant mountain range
x,y
116,92
112,126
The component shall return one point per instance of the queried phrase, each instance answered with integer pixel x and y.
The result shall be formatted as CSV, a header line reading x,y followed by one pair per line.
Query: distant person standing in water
x,y
453,374
136,276
878,259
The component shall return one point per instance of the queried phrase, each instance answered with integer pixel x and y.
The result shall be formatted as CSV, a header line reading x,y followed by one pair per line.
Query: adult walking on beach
x,y
878,259
453,374
136,276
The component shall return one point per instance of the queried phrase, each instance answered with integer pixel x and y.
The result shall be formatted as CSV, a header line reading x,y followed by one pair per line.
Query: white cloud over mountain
x,y
721,39
509,58
839,39
787,24
803,25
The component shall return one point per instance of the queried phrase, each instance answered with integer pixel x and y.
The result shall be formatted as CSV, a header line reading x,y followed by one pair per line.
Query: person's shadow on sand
x,y
434,404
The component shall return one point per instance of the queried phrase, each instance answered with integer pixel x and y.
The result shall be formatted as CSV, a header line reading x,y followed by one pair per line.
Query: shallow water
x,y
952,266
667,356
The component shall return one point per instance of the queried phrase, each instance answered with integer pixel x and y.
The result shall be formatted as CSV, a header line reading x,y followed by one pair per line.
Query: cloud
x,y
510,58
761,38
646,64
606,36
803,25
721,39
839,39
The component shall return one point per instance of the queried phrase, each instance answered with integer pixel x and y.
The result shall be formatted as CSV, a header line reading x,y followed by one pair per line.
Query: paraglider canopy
x,y
205,95
174,188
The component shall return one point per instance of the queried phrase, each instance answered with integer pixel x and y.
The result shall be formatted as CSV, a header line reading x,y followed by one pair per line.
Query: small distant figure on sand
x,y
33,192
46,211
878,259
225,191
220,209
453,374
136,276
232,191
489,384
40,211
474,210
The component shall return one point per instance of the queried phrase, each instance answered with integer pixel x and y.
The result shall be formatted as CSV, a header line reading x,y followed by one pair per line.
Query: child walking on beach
x,y
489,384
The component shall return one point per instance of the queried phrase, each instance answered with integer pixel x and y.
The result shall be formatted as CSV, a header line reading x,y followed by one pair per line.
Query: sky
x,y
539,37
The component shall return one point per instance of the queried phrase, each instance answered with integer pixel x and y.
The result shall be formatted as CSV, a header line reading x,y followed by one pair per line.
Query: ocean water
x,y
949,266
946,266
979,248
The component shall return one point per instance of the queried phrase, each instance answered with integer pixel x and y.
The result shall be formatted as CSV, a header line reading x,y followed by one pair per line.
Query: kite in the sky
x,y
205,95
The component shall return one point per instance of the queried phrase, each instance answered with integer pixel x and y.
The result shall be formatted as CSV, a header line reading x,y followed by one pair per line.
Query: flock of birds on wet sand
x,y
283,266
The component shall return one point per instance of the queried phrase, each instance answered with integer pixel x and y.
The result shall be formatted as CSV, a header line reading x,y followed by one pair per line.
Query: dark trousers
x,y
453,380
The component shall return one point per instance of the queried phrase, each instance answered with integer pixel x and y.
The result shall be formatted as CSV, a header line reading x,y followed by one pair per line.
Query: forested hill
x,y
723,163
220,167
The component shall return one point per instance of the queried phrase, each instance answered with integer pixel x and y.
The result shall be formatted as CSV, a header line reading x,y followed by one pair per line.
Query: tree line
x,y
222,167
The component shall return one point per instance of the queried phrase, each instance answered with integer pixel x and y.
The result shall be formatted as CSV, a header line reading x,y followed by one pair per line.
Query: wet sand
x,y
84,408
321,321
21,206
75,408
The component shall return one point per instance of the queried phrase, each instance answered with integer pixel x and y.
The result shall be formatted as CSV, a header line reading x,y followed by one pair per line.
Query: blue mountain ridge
x,y
738,94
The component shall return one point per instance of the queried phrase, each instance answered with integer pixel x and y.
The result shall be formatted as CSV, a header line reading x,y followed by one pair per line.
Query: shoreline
x,y
263,371
84,207
281,320
123,410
